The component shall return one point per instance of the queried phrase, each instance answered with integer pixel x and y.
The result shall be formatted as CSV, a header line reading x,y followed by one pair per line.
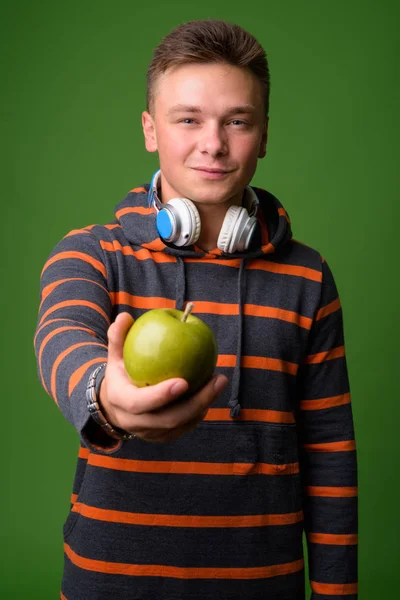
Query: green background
x,y
73,88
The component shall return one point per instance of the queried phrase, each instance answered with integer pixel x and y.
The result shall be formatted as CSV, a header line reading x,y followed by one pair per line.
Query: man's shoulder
x,y
296,253
99,231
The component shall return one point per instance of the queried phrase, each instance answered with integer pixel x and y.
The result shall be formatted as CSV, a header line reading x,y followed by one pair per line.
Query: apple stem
x,y
188,310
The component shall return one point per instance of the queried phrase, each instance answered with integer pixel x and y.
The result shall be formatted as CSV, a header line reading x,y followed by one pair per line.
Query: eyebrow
x,y
234,110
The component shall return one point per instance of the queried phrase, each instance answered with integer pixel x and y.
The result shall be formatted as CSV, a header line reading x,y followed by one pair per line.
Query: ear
x,y
149,131
264,138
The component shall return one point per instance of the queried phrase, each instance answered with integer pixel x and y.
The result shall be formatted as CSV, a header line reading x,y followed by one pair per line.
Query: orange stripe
x,y
49,288
193,521
54,321
278,313
258,264
229,262
313,359
139,210
141,570
60,358
268,249
156,244
74,498
62,597
345,446
333,539
77,232
75,303
210,254
113,226
83,453
78,255
48,337
282,212
141,301
258,362
323,403
250,414
266,265
137,190
191,468
214,252
215,308
79,373
142,254
334,589
222,308
328,309
331,492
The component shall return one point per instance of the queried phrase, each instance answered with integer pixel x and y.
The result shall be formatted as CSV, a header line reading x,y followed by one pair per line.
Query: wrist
x,y
95,408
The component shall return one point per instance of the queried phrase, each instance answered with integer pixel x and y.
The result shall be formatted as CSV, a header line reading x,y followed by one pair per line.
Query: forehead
x,y
209,85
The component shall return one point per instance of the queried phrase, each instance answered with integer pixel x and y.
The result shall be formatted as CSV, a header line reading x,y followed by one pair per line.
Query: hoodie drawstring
x,y
180,293
180,290
235,390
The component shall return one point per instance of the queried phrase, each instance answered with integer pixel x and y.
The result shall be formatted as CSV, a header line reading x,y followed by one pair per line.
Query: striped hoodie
x,y
219,513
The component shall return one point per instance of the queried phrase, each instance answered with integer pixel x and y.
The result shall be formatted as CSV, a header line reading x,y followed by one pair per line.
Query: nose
x,y
213,140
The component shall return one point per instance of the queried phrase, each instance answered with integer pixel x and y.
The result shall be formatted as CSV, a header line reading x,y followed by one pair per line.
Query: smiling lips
x,y
211,173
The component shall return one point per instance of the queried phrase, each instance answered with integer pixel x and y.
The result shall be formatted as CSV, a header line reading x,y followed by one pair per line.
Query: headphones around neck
x,y
178,221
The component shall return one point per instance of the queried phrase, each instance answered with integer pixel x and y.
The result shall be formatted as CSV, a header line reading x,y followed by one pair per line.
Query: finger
x,y
154,397
195,407
116,336
179,414
169,435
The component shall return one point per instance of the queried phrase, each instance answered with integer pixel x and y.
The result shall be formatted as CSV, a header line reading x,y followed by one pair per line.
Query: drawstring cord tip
x,y
235,409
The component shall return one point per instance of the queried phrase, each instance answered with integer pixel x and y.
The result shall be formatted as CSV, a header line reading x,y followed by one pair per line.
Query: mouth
x,y
211,170
211,173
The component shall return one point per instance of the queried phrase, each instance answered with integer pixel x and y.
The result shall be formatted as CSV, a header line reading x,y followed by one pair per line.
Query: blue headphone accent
x,y
164,225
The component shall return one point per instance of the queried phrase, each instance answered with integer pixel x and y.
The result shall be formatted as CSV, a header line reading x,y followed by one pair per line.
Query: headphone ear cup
x,y
237,230
226,241
187,220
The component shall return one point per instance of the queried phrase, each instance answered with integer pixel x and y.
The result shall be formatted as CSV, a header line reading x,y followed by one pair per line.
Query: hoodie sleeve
x,y
327,454
74,315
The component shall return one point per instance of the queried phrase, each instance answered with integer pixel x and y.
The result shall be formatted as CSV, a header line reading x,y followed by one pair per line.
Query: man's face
x,y
209,127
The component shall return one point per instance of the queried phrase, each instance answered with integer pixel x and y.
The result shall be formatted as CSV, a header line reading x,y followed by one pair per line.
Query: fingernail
x,y
219,384
178,388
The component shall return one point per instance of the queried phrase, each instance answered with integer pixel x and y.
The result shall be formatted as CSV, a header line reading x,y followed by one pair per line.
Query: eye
x,y
187,121
238,122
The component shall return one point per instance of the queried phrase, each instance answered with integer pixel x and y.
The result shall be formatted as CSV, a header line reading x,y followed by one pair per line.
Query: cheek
x,y
174,144
248,155
248,148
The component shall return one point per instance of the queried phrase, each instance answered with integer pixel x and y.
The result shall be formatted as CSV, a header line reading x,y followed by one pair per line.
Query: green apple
x,y
164,343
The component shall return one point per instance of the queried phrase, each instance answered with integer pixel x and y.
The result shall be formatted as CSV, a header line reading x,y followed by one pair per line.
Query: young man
x,y
207,497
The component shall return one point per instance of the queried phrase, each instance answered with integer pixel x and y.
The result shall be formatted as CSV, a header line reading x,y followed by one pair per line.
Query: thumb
x,y
116,336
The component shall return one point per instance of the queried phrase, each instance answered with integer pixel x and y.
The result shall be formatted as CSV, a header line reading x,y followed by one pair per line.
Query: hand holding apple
x,y
151,412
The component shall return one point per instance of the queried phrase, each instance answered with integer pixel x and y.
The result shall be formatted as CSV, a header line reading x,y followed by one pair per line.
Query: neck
x,y
212,216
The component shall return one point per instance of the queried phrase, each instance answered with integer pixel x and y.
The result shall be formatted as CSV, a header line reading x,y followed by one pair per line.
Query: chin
x,y
218,196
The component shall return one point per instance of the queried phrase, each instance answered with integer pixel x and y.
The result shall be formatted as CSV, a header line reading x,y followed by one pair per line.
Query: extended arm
x,y
328,454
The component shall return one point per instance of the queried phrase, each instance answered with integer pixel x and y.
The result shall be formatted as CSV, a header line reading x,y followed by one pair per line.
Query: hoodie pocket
x,y
263,455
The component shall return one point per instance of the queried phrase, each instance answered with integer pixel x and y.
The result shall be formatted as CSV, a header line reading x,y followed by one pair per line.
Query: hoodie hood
x,y
138,221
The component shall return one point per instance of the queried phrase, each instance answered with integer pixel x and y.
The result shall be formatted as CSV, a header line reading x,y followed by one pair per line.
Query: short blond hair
x,y
209,41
